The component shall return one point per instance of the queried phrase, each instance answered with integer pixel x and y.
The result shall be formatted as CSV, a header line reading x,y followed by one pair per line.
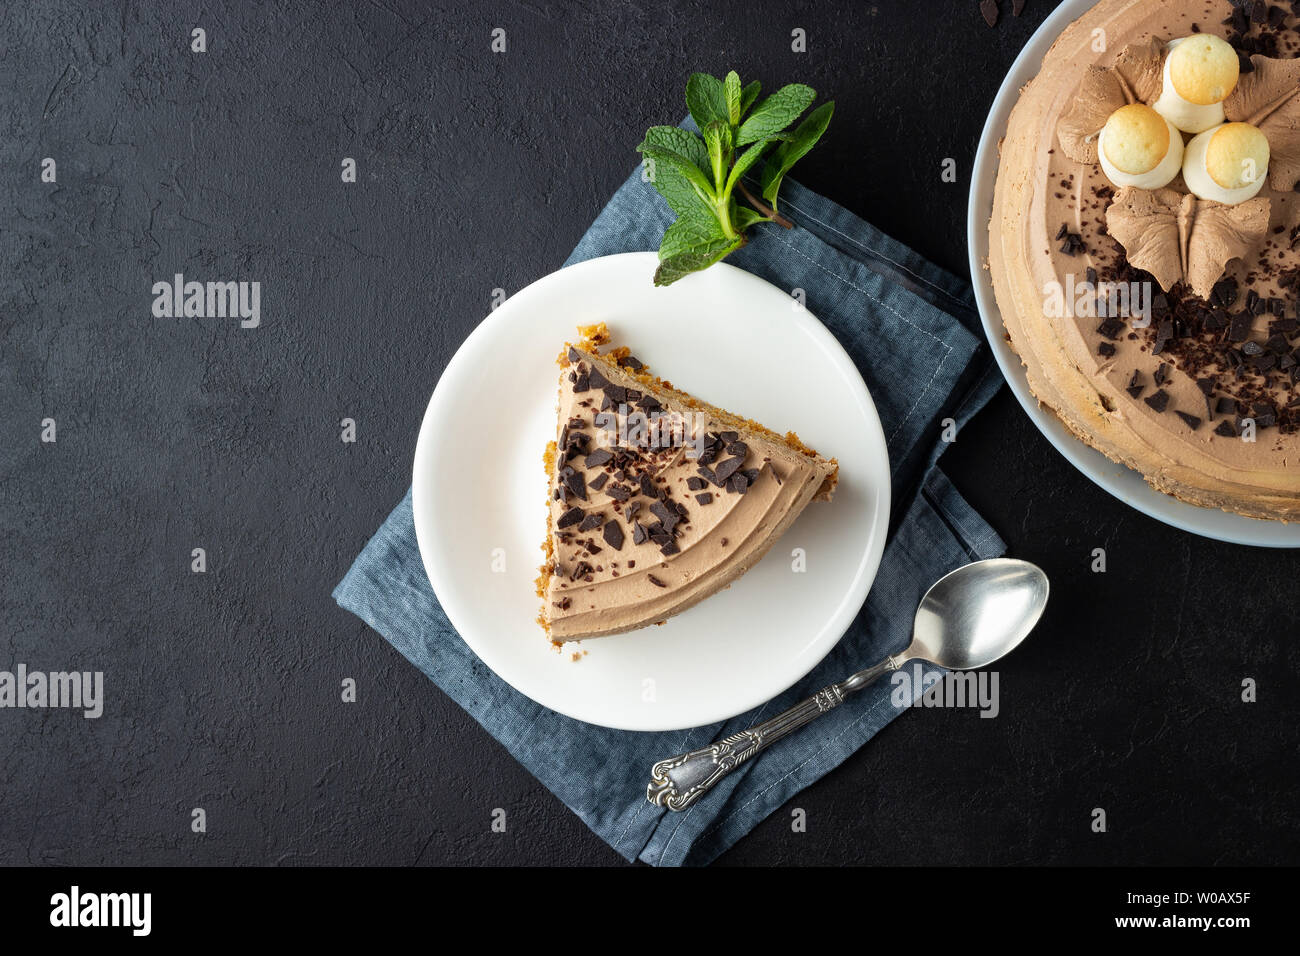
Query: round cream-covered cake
x,y
1145,245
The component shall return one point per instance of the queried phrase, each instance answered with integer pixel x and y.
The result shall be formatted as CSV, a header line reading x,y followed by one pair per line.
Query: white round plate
x,y
1124,483
480,492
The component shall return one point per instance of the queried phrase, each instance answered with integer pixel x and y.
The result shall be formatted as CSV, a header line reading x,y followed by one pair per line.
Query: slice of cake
x,y
657,500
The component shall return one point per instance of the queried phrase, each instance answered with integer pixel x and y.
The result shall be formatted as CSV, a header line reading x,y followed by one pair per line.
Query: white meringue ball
x,y
1139,147
1200,72
1228,164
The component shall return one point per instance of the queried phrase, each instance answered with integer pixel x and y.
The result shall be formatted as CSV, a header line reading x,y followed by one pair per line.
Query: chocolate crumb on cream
x,y
644,489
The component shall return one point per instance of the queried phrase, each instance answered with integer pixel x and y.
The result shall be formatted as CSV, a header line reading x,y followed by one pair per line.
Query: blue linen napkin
x,y
913,332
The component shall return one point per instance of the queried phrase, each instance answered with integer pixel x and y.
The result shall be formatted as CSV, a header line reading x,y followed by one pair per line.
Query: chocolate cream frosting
x,y
1154,403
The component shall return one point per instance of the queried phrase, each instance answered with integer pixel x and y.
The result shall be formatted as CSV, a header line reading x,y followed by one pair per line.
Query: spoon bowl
x,y
974,615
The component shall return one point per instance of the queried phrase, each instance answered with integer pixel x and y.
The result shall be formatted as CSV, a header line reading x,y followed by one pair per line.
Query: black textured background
x,y
479,171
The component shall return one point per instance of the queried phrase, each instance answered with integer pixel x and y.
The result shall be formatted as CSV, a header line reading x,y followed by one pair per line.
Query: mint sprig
x,y
699,174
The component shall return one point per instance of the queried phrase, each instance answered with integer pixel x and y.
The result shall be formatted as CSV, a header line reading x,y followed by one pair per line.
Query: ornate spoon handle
x,y
678,782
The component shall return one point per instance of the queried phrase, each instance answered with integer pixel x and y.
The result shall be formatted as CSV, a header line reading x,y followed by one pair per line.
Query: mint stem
x,y
722,210
764,208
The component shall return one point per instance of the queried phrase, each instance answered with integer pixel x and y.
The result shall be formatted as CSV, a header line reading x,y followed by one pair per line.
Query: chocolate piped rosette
x,y
1145,245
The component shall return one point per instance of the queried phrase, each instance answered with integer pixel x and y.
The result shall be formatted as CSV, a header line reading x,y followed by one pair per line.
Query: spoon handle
x,y
677,782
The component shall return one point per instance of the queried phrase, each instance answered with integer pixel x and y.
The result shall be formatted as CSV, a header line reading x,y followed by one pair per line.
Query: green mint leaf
x,y
775,113
688,235
733,93
670,270
706,99
745,217
682,197
693,173
747,97
746,159
794,148
677,140
681,150
717,140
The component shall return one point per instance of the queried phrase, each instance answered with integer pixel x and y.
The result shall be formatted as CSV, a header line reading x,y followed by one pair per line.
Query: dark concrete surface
x,y
479,171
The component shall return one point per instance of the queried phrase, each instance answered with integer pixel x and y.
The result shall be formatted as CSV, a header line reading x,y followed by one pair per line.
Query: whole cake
x,y
1145,244
657,500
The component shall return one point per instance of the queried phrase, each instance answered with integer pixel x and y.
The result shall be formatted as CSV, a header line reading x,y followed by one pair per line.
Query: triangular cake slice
x,y
657,500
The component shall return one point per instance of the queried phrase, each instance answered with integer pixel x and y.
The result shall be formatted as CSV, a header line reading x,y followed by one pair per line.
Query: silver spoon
x,y
968,619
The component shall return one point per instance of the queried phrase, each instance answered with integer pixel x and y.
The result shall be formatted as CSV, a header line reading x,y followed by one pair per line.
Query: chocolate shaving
x,y
1112,328
1073,244
1224,293
727,468
1159,401
1239,330
1164,332
577,485
668,516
